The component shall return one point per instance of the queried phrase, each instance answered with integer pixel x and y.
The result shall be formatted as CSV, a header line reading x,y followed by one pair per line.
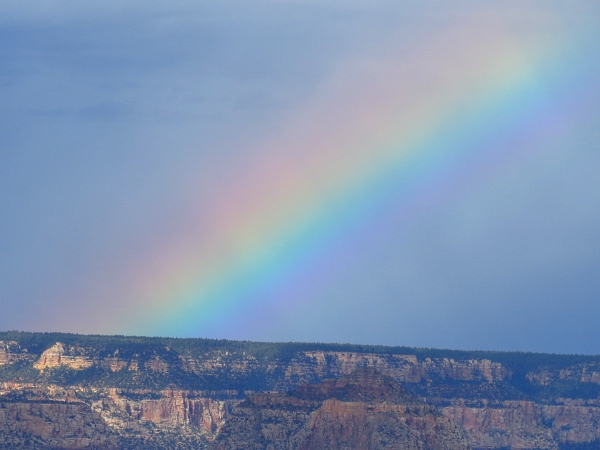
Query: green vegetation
x,y
172,362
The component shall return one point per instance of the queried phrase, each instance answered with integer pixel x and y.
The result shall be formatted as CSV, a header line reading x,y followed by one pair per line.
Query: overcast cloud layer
x,y
116,116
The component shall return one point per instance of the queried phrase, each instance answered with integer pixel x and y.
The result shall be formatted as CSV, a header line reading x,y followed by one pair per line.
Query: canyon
x,y
109,392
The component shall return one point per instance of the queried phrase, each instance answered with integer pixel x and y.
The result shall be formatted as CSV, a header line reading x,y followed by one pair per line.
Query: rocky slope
x,y
363,411
184,393
55,425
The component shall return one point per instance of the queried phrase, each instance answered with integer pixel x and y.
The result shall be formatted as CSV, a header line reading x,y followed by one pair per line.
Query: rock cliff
x,y
526,425
363,411
55,356
188,393
35,425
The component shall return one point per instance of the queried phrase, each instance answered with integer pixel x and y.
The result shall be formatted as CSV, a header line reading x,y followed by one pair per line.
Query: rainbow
x,y
395,132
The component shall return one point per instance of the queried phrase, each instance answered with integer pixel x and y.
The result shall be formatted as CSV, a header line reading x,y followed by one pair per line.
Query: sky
x,y
385,172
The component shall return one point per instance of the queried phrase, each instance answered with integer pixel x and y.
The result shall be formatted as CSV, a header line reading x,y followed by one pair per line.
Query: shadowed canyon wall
x,y
70,391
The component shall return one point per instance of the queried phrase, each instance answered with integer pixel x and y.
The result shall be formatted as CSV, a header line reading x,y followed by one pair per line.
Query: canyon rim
x,y
110,392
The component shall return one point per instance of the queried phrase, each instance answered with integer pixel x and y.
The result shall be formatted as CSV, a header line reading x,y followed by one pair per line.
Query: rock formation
x,y
72,391
363,411
55,356
526,425
55,425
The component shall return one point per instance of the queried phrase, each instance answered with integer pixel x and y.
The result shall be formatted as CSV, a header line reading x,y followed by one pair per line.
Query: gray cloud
x,y
109,108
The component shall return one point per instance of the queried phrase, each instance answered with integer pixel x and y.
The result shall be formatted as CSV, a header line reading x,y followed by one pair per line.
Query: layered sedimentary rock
x,y
526,425
166,407
56,356
363,411
53,425
580,373
317,364
170,393
11,352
